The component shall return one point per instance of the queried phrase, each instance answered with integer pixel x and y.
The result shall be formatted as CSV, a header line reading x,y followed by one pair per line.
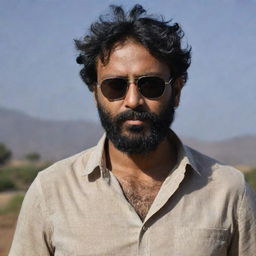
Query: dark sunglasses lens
x,y
151,87
114,88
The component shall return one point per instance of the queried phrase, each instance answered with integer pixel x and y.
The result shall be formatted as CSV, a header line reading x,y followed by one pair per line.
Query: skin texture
x,y
140,175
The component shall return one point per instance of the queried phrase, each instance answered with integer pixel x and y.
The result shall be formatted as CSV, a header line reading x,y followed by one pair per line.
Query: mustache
x,y
135,115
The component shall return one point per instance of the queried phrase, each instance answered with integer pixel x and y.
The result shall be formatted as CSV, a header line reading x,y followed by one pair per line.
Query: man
x,y
140,191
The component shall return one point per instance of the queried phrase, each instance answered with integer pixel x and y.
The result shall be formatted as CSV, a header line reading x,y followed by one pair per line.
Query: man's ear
x,y
177,87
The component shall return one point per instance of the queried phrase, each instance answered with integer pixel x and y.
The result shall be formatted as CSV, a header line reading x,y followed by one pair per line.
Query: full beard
x,y
137,139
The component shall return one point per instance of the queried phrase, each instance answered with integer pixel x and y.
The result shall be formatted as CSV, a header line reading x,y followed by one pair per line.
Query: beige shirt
x,y
76,207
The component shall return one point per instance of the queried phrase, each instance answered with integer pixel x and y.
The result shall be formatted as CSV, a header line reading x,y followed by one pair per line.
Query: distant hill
x,y
55,140
239,150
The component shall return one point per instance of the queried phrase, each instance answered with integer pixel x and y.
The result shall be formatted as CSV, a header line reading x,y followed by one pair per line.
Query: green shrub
x,y
18,177
5,154
13,206
33,157
6,183
26,174
251,178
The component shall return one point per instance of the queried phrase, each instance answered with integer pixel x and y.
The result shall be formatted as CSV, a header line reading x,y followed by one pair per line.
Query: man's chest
x,y
99,221
139,194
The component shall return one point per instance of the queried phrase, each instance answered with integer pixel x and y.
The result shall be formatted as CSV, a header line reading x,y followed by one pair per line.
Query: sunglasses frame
x,y
135,81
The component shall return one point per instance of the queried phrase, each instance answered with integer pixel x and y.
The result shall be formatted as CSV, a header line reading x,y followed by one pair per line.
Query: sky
x,y
39,75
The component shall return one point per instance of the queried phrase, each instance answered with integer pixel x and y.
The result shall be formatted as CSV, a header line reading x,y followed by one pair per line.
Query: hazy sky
x,y
39,74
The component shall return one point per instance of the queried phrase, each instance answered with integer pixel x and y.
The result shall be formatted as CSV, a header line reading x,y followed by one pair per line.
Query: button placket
x,y
143,249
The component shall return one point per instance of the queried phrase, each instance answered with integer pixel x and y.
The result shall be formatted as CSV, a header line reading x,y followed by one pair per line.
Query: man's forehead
x,y
131,57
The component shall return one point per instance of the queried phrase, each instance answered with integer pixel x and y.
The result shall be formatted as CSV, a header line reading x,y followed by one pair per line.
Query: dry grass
x,y
8,220
7,228
244,168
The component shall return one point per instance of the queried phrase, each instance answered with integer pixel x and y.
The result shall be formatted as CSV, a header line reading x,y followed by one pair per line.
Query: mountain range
x,y
55,140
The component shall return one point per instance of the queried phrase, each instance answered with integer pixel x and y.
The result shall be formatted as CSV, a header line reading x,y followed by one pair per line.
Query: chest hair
x,y
140,194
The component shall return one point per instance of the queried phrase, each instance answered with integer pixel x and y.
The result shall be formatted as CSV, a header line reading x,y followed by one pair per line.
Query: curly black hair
x,y
162,40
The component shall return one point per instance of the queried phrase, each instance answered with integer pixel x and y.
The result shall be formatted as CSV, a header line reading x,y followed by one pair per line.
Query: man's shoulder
x,y
73,165
61,179
216,171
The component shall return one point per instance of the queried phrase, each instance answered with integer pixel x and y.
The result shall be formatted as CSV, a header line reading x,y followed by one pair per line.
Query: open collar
x,y
96,156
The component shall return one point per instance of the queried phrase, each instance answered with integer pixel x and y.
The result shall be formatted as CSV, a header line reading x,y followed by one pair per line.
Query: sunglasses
x,y
151,87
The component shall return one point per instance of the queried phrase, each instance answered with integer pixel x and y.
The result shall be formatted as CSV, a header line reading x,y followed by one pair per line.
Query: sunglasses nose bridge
x,y
133,97
131,81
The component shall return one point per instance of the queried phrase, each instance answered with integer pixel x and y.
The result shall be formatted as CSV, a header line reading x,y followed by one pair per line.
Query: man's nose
x,y
133,98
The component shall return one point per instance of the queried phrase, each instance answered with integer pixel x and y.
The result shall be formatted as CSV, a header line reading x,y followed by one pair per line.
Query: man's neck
x,y
151,167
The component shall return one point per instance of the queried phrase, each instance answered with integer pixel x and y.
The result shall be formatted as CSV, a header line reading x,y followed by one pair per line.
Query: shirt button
x,y
144,228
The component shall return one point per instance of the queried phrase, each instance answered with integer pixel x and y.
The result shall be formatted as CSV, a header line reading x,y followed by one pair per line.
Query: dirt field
x,y
7,224
7,227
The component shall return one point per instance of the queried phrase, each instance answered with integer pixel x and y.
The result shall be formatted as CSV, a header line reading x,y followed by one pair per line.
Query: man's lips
x,y
134,122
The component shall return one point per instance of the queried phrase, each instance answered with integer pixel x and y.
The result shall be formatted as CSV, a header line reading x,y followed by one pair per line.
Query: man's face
x,y
134,124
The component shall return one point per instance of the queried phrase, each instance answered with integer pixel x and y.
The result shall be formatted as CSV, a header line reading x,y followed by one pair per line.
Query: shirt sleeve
x,y
244,241
33,233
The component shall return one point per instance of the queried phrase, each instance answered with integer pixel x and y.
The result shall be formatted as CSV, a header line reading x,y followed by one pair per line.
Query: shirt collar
x,y
96,156
185,155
